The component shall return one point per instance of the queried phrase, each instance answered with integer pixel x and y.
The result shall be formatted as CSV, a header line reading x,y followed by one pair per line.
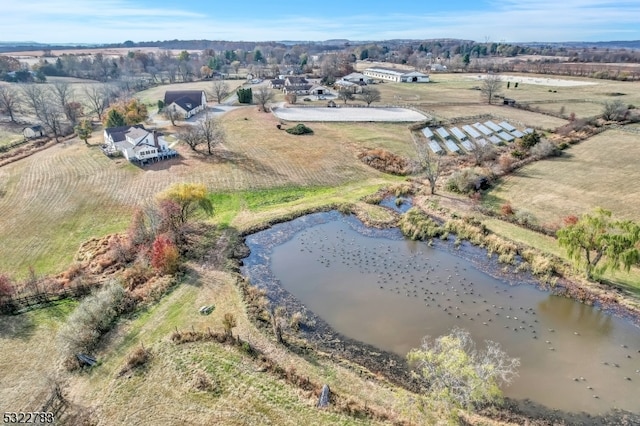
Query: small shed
x,y
33,132
508,101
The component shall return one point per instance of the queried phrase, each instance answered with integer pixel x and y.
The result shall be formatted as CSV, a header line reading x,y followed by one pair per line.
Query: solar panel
x,y
517,133
483,129
435,147
495,140
451,146
471,131
508,127
528,130
467,145
493,126
506,136
458,133
443,133
427,132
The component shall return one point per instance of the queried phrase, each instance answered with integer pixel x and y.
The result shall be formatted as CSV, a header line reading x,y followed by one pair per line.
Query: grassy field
x,y
58,198
580,109
164,392
601,171
8,136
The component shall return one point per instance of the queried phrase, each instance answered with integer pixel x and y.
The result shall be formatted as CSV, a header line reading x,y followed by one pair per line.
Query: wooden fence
x,y
21,304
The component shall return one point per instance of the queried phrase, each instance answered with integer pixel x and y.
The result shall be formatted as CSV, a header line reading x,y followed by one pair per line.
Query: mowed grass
x,y
601,171
54,200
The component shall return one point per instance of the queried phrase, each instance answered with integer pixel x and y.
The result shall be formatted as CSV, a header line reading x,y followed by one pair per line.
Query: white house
x,y
398,76
136,143
187,102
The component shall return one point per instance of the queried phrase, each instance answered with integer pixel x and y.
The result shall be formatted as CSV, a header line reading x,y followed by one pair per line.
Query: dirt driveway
x,y
348,114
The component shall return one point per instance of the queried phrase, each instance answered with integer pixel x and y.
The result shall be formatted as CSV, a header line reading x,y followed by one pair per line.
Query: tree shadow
x,y
221,156
167,164
19,326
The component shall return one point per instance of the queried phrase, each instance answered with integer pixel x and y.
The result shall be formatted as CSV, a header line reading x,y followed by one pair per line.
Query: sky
x,y
112,21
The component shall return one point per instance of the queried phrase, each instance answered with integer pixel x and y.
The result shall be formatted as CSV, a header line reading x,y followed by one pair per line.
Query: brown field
x,y
580,109
518,117
57,198
601,171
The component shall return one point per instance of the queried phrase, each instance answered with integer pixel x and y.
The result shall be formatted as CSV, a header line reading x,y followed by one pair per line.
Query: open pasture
x,y
56,199
600,171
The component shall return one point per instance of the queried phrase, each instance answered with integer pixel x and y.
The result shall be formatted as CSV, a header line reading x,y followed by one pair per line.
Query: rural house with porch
x,y
136,144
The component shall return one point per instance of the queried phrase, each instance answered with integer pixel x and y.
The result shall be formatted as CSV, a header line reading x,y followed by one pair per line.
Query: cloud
x,y
510,20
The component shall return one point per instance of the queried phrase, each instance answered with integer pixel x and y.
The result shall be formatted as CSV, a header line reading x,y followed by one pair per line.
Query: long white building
x,y
395,75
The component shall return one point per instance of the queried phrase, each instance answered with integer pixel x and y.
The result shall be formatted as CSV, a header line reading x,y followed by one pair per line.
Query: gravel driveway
x,y
348,114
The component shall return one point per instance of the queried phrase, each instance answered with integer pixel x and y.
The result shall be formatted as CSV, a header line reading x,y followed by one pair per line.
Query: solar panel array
x,y
451,146
483,129
435,147
493,126
471,131
458,134
508,127
442,132
471,136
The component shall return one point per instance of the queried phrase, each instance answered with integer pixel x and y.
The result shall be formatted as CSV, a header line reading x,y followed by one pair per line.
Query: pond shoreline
x,y
320,337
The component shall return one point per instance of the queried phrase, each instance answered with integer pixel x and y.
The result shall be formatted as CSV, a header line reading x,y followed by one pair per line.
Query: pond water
x,y
381,289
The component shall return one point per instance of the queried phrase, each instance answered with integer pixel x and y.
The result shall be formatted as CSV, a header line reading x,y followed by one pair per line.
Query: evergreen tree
x,y
114,119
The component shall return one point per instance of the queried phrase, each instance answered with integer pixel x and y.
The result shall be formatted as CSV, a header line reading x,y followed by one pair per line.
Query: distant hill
x,y
620,44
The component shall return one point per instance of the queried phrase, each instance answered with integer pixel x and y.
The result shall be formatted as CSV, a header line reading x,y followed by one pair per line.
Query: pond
x,y
379,288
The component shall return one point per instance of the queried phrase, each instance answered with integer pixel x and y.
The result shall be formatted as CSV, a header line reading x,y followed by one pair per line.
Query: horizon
x,y
508,21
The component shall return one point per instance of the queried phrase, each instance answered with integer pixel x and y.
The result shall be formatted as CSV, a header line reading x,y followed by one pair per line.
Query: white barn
x,y
397,76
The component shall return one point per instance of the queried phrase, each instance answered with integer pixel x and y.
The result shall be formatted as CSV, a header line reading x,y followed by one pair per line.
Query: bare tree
x,y
34,96
370,94
482,152
51,115
207,131
98,97
263,96
10,101
211,132
614,110
191,136
429,164
220,90
491,86
345,94
171,113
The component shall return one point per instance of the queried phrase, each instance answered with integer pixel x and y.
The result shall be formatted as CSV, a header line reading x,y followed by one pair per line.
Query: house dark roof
x,y
277,81
295,80
118,134
299,87
186,99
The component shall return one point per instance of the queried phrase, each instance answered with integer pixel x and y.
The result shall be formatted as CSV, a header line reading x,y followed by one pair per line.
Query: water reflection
x,y
378,288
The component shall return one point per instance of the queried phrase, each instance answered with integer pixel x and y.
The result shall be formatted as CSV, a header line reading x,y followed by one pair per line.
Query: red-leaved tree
x,y
164,255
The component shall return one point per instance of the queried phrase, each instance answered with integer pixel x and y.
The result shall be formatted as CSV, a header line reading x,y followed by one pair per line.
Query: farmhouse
x,y
33,132
186,102
297,85
136,143
398,76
